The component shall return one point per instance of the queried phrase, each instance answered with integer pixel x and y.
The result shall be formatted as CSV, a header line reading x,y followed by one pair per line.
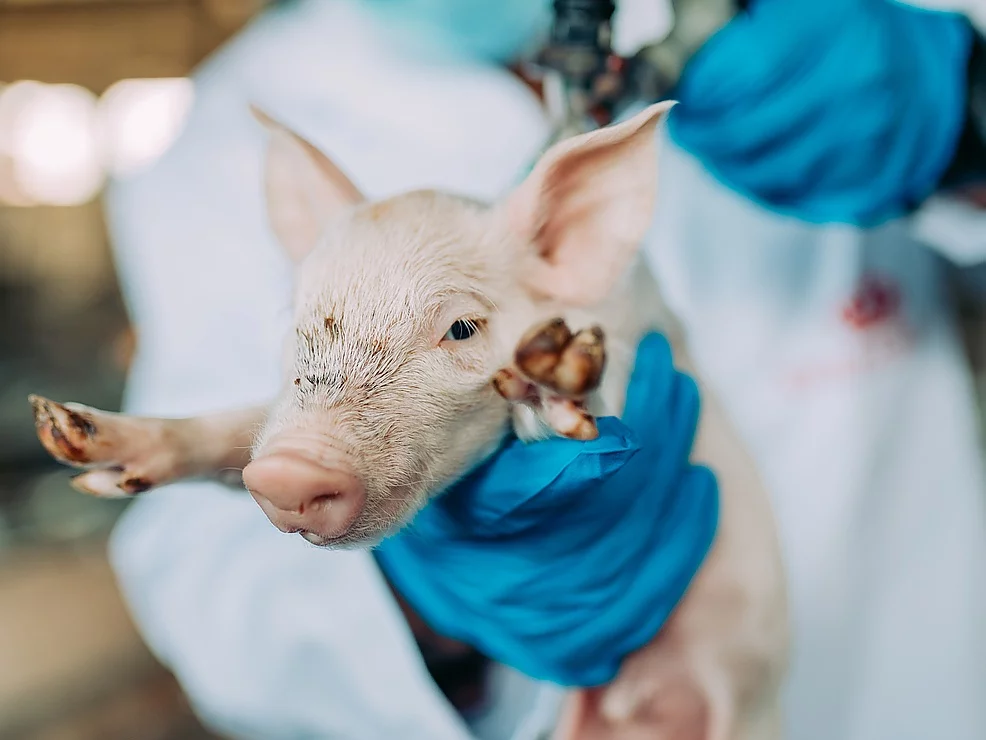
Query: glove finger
x,y
522,472
667,443
682,418
650,387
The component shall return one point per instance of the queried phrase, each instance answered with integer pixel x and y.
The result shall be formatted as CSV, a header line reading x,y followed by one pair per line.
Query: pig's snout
x,y
306,486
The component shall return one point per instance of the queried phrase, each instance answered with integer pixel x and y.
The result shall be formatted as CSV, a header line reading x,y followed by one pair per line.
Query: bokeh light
x,y
50,137
59,143
139,120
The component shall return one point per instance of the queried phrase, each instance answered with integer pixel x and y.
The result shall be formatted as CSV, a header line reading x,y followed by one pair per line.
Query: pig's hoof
x,y
555,370
126,456
569,419
540,350
580,368
67,434
570,365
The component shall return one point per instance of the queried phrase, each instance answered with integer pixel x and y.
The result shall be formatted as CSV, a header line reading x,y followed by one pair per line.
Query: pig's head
x,y
404,310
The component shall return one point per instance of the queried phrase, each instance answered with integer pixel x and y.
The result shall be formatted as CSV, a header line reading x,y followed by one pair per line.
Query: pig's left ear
x,y
303,188
586,207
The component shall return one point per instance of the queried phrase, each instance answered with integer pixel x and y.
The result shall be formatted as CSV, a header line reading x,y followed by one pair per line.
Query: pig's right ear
x,y
586,207
303,188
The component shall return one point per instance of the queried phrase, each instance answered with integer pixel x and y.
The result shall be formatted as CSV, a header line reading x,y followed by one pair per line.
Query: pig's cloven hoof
x,y
554,371
124,455
65,433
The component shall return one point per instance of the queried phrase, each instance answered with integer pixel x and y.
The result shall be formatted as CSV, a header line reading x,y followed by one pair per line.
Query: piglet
x,y
428,325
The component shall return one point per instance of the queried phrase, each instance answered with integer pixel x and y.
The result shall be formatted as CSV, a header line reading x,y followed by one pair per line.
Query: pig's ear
x,y
586,207
303,188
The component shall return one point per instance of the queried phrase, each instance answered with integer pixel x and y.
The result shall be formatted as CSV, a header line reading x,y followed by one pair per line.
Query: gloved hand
x,y
837,111
559,558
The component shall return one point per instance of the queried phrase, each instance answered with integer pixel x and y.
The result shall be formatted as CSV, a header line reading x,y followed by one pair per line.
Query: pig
x,y
427,327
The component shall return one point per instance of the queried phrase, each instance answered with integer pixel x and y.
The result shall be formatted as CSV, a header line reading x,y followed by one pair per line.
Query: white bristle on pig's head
x,y
404,310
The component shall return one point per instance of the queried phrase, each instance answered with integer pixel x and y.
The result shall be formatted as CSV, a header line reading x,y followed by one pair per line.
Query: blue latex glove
x,y
832,111
560,557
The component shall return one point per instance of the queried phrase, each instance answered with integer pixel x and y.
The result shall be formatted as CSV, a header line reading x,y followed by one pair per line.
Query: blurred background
x,y
89,88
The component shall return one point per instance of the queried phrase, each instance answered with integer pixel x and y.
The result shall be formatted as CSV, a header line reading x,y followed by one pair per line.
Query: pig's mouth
x,y
355,539
320,541
344,541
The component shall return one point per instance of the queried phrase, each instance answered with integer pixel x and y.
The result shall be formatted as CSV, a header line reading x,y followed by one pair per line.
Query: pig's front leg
x,y
554,371
125,455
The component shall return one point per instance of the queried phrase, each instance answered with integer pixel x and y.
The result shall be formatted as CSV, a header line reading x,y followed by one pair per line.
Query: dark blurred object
x,y
61,319
968,167
580,42
459,671
655,70
587,85
969,289
581,75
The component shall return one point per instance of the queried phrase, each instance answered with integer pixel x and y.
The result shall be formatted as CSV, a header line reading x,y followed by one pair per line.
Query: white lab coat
x,y
271,637
866,437
866,434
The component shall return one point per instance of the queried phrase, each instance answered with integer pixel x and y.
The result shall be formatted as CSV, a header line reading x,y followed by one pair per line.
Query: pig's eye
x,y
460,330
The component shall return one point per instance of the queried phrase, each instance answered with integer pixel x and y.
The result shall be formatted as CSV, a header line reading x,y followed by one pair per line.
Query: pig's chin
x,y
374,524
343,542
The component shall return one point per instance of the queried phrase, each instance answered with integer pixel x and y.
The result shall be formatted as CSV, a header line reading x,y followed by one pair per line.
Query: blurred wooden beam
x,y
60,3
94,43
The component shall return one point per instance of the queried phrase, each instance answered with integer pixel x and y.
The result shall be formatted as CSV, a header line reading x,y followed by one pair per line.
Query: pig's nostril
x,y
297,493
322,500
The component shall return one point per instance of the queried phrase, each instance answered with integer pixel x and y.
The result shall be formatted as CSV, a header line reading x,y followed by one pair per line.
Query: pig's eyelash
x,y
463,329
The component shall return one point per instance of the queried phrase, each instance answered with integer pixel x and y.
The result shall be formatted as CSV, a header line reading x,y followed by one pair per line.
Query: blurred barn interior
x,y
87,88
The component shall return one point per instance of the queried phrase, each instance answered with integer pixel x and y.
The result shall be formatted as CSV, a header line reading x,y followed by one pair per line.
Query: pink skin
x,y
388,398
